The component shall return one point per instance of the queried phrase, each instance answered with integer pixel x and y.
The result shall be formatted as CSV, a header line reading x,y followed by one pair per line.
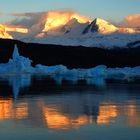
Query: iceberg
x,y
18,64
22,65
123,73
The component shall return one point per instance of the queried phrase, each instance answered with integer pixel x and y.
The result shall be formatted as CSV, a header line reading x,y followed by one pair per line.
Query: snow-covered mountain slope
x,y
72,29
89,40
98,33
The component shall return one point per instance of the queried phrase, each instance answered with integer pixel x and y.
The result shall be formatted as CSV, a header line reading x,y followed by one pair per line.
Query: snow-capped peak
x,y
74,28
100,26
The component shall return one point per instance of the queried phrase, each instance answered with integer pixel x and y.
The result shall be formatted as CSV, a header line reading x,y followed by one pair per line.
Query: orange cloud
x,y
44,21
55,19
133,20
130,21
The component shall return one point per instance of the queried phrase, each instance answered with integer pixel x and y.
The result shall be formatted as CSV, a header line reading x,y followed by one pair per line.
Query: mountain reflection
x,y
106,113
55,119
67,108
9,110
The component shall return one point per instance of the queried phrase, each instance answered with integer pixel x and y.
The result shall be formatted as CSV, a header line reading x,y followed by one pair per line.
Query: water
x,y
41,108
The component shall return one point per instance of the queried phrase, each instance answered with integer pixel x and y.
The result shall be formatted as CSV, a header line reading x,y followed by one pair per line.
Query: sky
x,y
114,10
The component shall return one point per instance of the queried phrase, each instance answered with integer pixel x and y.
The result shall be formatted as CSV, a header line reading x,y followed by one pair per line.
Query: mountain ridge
x,y
71,56
99,33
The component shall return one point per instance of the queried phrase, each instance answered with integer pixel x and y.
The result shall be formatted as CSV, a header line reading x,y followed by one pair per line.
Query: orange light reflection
x,y
7,110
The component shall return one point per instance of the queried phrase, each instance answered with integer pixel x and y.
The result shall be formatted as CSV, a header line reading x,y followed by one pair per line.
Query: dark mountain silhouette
x,y
71,56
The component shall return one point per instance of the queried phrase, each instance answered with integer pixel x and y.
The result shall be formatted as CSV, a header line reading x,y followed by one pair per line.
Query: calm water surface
x,y
41,108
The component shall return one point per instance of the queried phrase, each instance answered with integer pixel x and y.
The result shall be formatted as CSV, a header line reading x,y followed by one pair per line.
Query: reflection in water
x,y
55,119
47,113
133,117
106,112
98,81
70,109
21,81
9,110
18,82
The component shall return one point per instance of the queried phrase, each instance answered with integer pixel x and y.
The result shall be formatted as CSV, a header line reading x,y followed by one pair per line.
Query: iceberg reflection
x,y
21,81
17,82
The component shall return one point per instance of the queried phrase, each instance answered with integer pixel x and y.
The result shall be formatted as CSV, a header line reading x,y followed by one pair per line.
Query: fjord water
x,y
34,107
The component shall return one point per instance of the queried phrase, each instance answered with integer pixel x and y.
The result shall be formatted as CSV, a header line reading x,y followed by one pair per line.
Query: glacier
x,y
22,65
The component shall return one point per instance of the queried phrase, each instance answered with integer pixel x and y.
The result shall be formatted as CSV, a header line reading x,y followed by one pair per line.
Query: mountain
x,y
104,27
73,30
101,26
98,33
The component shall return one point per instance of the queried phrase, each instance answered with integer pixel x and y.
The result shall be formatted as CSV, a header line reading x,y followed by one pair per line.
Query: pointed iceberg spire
x,y
15,52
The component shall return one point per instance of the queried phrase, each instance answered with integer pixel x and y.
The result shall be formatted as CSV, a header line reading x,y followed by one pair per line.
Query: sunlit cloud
x,y
26,19
30,19
130,21
44,21
133,20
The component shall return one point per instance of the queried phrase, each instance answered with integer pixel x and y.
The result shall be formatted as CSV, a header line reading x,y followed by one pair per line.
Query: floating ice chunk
x,y
50,70
123,73
18,64
98,71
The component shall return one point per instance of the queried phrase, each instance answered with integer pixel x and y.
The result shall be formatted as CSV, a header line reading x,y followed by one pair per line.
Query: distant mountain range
x,y
96,33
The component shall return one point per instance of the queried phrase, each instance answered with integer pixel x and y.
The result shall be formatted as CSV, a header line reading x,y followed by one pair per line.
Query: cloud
x,y
40,21
35,22
26,19
30,19
133,20
130,21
